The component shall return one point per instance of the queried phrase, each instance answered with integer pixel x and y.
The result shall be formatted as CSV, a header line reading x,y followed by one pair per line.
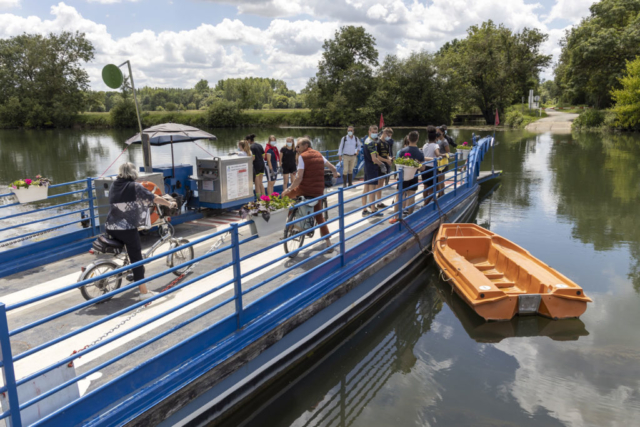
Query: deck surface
x,y
41,280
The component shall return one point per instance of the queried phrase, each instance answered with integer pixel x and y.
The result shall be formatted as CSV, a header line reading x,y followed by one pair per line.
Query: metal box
x,y
102,186
222,180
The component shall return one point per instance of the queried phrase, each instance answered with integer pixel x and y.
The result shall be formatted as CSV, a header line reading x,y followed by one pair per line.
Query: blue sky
x,y
177,42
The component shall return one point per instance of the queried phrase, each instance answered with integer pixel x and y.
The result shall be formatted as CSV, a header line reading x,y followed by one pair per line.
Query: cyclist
x,y
309,180
130,203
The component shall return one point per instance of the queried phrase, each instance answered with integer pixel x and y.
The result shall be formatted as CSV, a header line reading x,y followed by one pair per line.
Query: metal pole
x,y
146,148
455,176
341,224
237,281
8,373
92,213
401,195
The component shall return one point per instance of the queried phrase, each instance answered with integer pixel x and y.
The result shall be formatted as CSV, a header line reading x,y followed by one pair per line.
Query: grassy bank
x,y
519,116
198,118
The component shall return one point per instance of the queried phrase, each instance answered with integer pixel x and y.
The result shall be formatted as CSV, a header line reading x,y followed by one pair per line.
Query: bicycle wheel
x,y
103,286
291,230
181,256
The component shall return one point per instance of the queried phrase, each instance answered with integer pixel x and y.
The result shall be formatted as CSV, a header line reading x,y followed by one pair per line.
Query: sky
x,y
175,43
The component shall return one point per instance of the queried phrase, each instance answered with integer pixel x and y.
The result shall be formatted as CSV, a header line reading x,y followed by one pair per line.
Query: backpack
x,y
450,141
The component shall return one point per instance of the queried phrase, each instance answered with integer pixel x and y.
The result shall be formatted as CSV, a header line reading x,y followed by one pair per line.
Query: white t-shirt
x,y
301,162
242,154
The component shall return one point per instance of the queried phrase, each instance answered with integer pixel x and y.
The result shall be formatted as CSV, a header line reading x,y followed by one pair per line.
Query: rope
x,y
203,149
125,149
416,236
31,236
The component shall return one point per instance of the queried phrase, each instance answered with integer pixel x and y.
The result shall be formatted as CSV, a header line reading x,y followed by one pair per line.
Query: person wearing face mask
x,y
288,159
443,146
372,165
272,158
348,154
387,136
449,138
257,153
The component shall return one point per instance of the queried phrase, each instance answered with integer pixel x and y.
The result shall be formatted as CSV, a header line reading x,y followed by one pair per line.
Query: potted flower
x,y
269,213
409,165
464,150
29,190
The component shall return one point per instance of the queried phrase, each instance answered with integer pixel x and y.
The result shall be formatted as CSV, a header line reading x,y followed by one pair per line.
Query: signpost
x,y
112,77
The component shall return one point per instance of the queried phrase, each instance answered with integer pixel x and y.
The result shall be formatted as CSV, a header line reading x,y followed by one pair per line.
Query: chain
x,y
22,239
139,309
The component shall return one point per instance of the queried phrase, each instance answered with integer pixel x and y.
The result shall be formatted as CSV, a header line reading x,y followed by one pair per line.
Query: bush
x,y
514,119
627,99
123,115
610,120
589,119
171,106
191,106
159,108
223,113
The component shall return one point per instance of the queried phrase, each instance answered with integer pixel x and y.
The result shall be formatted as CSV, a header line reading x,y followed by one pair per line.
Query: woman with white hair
x,y
130,203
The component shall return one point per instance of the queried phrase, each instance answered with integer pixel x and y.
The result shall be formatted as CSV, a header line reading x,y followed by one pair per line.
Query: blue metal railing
x,y
346,234
86,198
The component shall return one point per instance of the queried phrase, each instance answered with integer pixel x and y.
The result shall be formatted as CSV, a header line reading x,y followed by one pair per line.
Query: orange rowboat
x,y
499,279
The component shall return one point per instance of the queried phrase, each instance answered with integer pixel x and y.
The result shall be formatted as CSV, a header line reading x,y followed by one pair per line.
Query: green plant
x,y
27,182
464,146
514,118
589,119
407,161
265,205
223,113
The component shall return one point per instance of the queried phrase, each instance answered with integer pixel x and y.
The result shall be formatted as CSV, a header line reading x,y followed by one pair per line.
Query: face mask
x,y
445,132
350,133
271,142
289,144
374,136
387,138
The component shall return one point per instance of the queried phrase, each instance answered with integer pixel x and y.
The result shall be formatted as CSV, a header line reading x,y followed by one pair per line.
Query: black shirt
x,y
258,157
288,158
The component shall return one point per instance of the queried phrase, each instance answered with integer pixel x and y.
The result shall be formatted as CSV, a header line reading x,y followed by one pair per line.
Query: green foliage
x,y
627,99
514,119
223,113
519,116
170,106
44,75
123,115
589,119
594,53
191,106
493,67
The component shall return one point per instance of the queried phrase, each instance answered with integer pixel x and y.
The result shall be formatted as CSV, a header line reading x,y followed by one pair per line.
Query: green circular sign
x,y
112,76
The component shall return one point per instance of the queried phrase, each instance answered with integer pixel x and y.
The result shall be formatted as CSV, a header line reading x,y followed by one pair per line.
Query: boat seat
x,y
484,266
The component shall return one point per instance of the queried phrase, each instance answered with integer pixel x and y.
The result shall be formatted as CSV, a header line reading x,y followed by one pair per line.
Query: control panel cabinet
x,y
226,179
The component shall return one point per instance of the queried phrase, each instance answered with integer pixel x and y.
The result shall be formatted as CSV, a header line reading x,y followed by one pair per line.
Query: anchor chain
x,y
22,239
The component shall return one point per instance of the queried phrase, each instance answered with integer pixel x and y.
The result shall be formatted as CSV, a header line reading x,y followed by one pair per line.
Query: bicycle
x,y
298,228
121,259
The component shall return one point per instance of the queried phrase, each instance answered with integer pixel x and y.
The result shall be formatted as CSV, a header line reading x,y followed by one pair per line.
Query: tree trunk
x,y
488,116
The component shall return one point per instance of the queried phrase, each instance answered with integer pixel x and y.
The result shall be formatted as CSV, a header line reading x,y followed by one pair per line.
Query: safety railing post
x,y
455,176
341,224
92,213
8,372
435,183
237,274
400,195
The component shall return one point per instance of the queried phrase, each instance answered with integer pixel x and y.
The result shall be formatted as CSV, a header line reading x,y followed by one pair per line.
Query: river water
x,y
572,200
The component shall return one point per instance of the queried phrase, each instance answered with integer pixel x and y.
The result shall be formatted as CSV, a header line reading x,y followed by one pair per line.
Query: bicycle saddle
x,y
111,242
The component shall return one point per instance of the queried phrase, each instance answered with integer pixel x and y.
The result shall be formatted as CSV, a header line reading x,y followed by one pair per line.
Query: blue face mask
x,y
374,136
350,133
387,138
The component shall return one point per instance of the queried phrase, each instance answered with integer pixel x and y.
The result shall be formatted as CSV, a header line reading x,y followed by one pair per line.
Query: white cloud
x,y
570,10
110,1
8,4
288,48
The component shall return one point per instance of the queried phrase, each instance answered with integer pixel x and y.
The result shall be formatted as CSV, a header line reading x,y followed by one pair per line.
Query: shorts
x,y
287,169
371,172
258,171
408,184
271,176
428,179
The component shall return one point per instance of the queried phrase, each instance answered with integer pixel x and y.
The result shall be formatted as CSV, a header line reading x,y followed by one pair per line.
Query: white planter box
x,y
31,194
409,172
463,154
276,223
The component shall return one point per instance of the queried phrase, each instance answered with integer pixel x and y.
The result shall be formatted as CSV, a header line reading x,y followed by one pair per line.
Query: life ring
x,y
155,190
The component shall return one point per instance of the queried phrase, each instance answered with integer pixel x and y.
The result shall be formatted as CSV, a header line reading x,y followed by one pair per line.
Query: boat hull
x,y
499,279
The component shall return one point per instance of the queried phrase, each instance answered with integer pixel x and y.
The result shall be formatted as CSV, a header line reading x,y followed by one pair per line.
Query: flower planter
x,y
31,194
463,154
276,223
409,172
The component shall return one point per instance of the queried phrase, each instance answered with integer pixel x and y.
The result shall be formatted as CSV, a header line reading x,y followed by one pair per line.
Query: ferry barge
x,y
246,314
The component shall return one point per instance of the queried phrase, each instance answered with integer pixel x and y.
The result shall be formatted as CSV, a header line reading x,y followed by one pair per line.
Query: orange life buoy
x,y
155,190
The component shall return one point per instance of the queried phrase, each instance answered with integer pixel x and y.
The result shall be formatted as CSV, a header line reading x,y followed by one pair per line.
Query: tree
x,y
493,67
202,87
345,75
45,75
595,52
627,99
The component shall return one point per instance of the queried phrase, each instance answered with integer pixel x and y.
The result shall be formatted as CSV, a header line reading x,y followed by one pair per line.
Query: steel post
x,y
237,281
401,196
455,176
146,147
92,213
341,224
8,372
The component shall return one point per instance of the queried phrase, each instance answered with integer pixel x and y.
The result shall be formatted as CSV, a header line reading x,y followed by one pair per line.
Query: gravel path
x,y
557,122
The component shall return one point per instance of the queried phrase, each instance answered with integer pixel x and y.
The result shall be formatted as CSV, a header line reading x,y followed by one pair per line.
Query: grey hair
x,y
128,171
305,141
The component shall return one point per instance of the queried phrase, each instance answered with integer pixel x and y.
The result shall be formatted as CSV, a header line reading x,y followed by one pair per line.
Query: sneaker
x,y
376,213
327,244
366,212
381,206
393,220
406,213
148,295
